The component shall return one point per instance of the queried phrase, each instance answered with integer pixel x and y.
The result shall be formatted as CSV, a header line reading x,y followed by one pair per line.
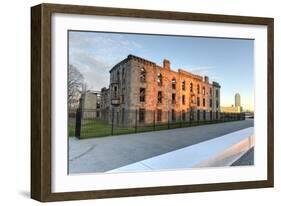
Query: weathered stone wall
x,y
125,84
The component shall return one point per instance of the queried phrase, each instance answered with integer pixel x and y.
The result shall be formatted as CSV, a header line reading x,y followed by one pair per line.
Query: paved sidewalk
x,y
218,152
246,159
107,153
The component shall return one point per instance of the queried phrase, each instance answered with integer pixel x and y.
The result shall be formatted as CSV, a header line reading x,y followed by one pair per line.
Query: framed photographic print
x,y
130,102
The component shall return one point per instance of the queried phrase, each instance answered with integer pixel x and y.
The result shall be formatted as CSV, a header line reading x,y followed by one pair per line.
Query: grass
x,y
101,128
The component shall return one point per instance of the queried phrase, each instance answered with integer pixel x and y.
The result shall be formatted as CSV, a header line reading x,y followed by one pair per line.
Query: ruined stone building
x,y
142,91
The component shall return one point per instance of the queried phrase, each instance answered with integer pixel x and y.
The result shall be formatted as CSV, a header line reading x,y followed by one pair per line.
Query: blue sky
x,y
227,61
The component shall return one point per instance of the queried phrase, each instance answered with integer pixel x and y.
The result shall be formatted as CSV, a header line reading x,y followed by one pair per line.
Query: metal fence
x,y
98,123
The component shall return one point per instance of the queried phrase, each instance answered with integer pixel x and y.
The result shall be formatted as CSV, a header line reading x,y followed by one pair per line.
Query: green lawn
x,y
98,128
101,128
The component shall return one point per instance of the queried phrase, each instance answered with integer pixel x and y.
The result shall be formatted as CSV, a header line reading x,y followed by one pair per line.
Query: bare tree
x,y
75,85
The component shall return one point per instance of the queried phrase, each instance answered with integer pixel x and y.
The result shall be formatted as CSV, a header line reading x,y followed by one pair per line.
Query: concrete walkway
x,y
108,153
217,152
246,159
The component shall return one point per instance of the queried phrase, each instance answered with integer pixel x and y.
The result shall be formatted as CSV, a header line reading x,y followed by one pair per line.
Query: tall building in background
x,y
142,91
237,100
236,108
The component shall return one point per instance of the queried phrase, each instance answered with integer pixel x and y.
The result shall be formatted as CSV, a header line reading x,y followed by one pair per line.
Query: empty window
x,y
183,85
173,98
211,102
191,87
183,99
173,83
98,105
159,79
203,102
217,104
159,115
142,75
198,89
115,91
142,94
159,97
193,99
217,93
198,101
141,115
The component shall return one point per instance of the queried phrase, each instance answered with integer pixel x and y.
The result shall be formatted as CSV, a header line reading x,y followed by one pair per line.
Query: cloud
x,y
95,72
94,54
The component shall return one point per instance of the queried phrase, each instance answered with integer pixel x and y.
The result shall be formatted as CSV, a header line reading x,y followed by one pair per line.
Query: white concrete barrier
x,y
217,152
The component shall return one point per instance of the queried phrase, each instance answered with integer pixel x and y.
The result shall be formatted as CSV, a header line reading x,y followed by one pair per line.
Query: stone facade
x,y
90,102
142,91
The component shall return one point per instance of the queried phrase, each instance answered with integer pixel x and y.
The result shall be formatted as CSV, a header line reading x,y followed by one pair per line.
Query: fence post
x,y
78,123
112,121
180,118
168,119
190,118
153,119
136,120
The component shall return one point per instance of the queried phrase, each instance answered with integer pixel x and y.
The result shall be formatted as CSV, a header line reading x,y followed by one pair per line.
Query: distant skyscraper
x,y
237,100
236,108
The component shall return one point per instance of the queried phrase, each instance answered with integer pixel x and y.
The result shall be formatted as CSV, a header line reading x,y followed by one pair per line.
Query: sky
x,y
230,62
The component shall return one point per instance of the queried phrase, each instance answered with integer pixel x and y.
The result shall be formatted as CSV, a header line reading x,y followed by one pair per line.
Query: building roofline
x,y
140,59
190,74
129,57
116,65
216,84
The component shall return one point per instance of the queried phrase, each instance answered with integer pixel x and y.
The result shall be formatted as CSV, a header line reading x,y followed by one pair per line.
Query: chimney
x,y
166,64
206,79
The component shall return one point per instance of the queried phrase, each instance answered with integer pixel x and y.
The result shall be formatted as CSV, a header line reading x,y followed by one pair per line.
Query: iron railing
x,y
99,122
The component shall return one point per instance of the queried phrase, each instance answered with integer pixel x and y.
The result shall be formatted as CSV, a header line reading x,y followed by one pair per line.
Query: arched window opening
x,y
183,85
173,83
159,79
142,75
191,87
